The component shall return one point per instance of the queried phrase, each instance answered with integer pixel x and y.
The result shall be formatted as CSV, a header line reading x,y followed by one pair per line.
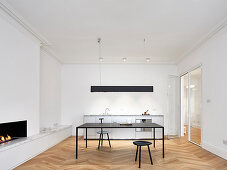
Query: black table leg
x,y
76,143
102,140
140,157
154,137
86,137
108,139
99,140
163,144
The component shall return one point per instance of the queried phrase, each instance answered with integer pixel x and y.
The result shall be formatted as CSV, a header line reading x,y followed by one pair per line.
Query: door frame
x,y
179,105
189,112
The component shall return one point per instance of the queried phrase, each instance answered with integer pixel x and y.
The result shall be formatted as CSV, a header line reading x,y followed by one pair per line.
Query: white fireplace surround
x,y
21,150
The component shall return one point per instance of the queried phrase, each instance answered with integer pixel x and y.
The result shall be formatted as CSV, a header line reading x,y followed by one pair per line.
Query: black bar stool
x,y
139,144
101,135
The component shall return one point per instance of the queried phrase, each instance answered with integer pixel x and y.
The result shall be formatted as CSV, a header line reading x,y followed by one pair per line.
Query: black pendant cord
x,y
144,47
100,73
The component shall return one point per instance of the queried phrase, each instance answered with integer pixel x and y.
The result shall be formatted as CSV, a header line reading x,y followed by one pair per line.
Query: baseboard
x,y
215,150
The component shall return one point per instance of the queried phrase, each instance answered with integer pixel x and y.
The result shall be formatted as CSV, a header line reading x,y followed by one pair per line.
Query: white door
x,y
191,105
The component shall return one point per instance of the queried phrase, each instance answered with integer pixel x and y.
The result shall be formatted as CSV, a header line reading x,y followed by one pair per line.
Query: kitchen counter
x,y
124,133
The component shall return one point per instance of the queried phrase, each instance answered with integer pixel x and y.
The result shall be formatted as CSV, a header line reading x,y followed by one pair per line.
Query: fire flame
x,y
8,137
2,138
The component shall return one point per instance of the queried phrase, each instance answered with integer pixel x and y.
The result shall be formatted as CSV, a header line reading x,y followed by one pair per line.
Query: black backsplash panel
x,y
14,129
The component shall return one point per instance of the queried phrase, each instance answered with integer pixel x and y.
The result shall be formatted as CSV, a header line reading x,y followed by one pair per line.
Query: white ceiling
x,y
171,27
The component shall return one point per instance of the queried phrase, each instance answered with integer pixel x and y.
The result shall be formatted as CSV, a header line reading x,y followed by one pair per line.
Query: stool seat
x,y
142,143
103,132
139,144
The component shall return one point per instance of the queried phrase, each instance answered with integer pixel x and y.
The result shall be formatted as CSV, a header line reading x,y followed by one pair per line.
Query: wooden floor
x,y
180,155
195,134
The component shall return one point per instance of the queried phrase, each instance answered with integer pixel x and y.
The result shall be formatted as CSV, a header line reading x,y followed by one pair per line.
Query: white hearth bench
x,y
16,152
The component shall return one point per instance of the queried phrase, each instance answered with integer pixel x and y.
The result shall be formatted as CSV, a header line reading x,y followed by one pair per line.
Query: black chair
x,y
139,144
101,135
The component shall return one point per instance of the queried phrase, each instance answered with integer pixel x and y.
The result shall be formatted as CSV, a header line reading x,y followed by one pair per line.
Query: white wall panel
x,y
212,55
77,99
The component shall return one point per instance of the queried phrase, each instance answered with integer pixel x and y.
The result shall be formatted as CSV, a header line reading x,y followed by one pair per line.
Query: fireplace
x,y
12,130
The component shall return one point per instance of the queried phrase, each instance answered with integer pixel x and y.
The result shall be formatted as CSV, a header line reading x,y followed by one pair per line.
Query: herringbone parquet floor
x,y
180,155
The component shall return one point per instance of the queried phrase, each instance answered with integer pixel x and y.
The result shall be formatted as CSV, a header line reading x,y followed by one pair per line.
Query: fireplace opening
x,y
12,130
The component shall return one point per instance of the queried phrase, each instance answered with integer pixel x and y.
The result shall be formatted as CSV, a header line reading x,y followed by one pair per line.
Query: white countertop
x,y
118,115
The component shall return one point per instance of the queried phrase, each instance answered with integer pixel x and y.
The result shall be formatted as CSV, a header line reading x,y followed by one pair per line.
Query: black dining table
x,y
118,125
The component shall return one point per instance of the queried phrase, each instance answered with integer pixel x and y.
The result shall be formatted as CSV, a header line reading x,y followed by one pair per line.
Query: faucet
x,y
107,109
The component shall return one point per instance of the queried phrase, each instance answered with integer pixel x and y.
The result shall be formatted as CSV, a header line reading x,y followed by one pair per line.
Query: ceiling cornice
x,y
20,21
13,15
204,39
49,52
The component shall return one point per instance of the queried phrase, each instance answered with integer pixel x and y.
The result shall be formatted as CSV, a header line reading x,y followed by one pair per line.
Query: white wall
x,y
77,99
50,91
213,57
19,77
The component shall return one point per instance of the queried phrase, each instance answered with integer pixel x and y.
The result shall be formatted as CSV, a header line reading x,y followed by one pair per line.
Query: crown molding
x,y
49,52
200,42
14,18
17,20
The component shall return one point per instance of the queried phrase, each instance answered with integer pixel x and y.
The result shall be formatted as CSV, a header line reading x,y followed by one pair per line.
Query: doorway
x,y
191,105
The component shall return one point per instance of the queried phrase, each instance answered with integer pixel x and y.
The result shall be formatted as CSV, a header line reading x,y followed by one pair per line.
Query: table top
x,y
118,125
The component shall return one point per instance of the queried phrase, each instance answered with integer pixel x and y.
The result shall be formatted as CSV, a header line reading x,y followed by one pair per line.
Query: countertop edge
x,y
123,115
